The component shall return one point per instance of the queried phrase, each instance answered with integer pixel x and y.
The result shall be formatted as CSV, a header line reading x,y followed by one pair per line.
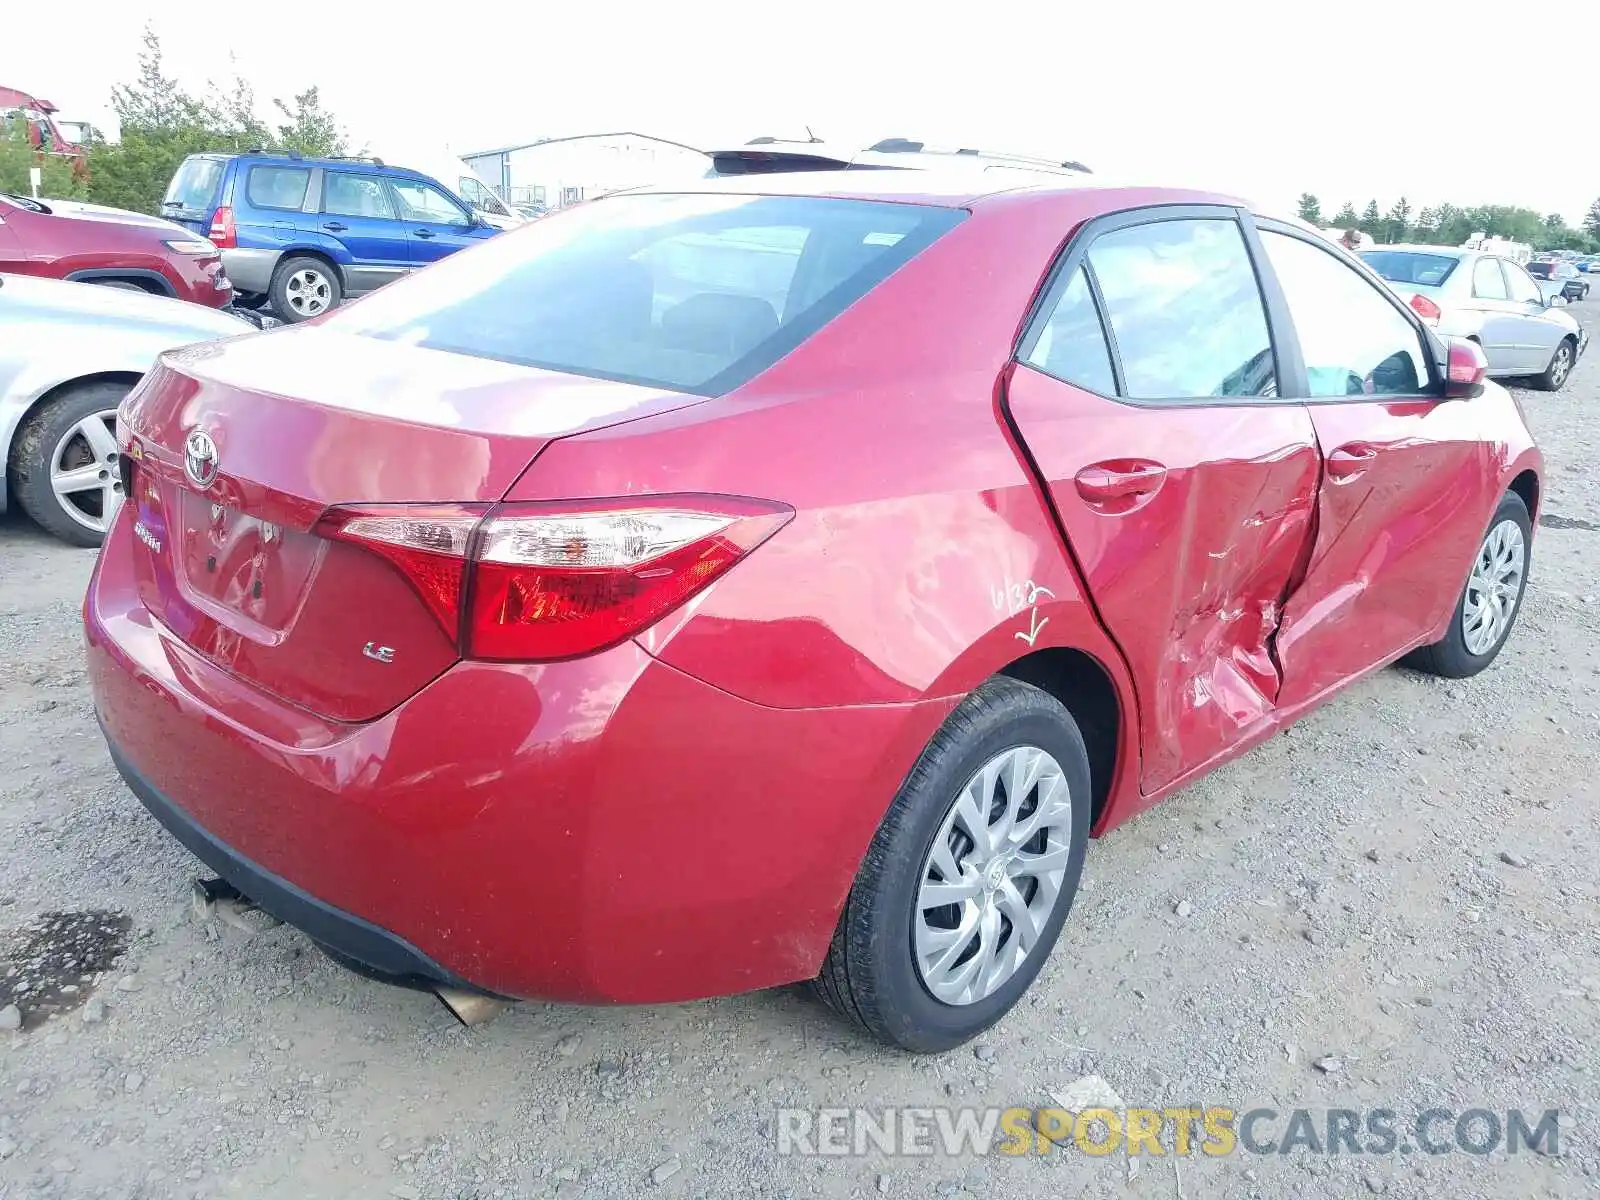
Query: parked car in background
x,y
1560,278
711,588
88,243
68,355
1489,300
300,234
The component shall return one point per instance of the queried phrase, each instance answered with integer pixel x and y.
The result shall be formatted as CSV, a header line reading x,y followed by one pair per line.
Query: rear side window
x,y
194,185
692,293
1406,266
1185,310
278,187
1354,340
1487,282
1539,269
346,194
1072,342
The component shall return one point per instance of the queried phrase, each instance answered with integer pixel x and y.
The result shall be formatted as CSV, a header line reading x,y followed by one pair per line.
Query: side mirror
x,y
1466,368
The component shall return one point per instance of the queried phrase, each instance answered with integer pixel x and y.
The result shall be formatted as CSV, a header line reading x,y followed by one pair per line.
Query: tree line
x,y
161,124
1449,225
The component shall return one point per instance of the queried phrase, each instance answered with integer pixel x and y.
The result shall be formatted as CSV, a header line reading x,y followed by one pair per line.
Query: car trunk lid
x,y
238,450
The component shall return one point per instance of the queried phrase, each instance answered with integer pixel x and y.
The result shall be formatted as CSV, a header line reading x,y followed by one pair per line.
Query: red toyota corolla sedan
x,y
780,580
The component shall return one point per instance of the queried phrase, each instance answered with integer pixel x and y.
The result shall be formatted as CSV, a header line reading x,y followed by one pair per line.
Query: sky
x,y
1436,100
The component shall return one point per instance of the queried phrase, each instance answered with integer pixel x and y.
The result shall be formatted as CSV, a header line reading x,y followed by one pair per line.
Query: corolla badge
x,y
200,458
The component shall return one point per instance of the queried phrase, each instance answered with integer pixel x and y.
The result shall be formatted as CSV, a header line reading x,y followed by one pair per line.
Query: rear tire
x,y
304,287
1560,369
121,285
1462,652
46,442
877,972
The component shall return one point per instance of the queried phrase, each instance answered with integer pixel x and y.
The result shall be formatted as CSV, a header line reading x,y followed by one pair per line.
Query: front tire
x,y
968,880
302,288
1489,602
64,462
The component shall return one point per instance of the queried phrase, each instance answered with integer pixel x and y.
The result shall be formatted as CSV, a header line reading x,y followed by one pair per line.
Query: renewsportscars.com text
x,y
1215,1131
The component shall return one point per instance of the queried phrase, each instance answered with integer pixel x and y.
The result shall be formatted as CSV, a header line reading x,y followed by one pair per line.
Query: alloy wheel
x,y
992,876
1493,587
308,292
83,471
1562,365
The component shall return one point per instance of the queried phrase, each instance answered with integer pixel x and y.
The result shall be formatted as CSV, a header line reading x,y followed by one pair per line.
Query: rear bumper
x,y
608,829
250,270
378,949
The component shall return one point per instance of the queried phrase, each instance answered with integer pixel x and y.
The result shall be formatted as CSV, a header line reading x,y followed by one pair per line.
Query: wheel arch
x,y
8,436
317,252
151,281
1089,692
1526,485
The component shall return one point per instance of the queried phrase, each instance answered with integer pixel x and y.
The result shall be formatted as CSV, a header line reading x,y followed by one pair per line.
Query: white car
x,y
69,352
1487,299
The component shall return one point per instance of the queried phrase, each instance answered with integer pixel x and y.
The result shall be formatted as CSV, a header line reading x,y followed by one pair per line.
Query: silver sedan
x,y
1489,300
69,352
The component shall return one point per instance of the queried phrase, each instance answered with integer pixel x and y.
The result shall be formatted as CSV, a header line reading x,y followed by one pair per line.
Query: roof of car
x,y
955,187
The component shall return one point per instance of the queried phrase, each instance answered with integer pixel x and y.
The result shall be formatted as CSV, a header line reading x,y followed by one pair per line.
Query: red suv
x,y
707,589
64,239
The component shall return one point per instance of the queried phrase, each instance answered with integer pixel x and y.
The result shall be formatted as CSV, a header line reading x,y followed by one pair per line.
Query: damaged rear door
x,y
1186,488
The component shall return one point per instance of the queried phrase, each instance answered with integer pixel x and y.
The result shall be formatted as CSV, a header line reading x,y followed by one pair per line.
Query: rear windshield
x,y
1540,269
692,293
194,186
1406,266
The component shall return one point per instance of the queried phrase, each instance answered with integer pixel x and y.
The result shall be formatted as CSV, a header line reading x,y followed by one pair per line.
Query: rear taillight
x,y
1426,309
222,232
536,582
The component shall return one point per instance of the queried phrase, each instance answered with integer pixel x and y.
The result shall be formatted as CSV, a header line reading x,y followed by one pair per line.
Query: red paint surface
x,y
682,815
59,244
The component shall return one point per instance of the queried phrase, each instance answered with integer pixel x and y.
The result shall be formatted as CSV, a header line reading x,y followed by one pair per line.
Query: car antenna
x,y
811,137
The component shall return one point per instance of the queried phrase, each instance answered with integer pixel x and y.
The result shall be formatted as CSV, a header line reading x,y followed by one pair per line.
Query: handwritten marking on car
x,y
1011,598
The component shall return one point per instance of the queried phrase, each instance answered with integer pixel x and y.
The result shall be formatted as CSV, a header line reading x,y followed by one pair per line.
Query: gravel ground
x,y
1405,884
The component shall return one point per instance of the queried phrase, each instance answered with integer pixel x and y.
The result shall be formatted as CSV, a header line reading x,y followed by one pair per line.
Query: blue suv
x,y
303,233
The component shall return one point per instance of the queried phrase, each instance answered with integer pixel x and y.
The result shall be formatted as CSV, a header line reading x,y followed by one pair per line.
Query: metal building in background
x,y
555,172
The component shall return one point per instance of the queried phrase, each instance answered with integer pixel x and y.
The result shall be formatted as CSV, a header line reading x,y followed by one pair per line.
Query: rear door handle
x,y
425,233
335,227
1100,482
1350,460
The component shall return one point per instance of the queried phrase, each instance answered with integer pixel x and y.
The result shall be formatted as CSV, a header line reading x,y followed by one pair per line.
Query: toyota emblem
x,y
200,458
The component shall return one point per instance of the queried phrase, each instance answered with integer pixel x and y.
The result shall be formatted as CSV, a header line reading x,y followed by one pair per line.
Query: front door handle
x,y
425,233
1103,482
335,227
1350,460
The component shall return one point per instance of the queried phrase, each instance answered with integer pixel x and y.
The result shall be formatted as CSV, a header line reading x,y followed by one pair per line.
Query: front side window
x,y
1523,289
1354,340
278,187
1487,282
692,293
1185,310
426,203
1072,342
346,194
